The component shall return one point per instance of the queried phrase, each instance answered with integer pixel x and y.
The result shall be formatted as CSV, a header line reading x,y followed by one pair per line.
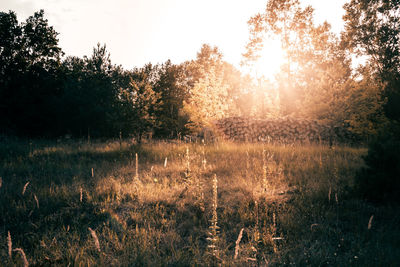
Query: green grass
x,y
163,218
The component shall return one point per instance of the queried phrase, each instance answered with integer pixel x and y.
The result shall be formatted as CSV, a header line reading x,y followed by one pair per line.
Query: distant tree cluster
x,y
317,80
44,93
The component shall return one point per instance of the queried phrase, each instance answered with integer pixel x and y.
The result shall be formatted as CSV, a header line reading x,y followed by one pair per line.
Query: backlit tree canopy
x,y
44,93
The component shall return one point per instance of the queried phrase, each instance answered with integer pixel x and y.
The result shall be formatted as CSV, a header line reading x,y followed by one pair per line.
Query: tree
x,y
326,80
29,74
90,94
373,29
213,88
293,24
207,102
317,81
173,86
138,105
364,106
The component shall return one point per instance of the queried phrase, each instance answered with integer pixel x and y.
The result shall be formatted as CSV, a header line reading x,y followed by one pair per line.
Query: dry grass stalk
x,y
204,161
198,193
370,222
273,229
264,170
24,189
21,251
120,139
187,173
36,200
267,171
274,237
329,194
256,227
320,160
165,162
256,211
237,247
213,239
9,245
136,167
274,222
96,240
204,164
247,163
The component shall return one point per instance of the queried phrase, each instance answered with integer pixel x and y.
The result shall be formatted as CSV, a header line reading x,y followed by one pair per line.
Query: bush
x,y
379,181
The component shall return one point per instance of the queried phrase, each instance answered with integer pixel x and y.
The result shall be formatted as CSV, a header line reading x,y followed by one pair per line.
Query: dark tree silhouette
x,y
373,29
29,74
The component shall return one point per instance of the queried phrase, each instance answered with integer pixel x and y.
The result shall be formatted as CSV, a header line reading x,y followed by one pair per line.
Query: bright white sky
x,y
141,31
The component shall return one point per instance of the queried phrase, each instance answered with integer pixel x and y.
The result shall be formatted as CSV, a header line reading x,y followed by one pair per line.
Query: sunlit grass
x,y
295,207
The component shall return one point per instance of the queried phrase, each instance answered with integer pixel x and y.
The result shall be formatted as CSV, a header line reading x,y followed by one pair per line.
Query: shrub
x,y
379,181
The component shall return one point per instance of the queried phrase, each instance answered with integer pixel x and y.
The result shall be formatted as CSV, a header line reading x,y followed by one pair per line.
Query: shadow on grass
x,y
52,164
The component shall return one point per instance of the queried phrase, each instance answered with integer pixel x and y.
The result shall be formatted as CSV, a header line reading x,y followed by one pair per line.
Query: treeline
x,y
44,93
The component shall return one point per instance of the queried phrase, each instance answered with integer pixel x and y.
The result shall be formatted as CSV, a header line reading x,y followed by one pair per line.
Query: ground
x,y
184,204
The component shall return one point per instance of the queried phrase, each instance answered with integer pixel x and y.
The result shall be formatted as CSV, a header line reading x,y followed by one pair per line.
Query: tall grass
x,y
272,205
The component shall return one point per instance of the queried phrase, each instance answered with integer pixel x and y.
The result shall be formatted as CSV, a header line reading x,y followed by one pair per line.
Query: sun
x,y
271,59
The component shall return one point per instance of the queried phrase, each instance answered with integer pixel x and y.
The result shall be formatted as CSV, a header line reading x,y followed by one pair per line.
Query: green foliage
x,y
90,95
208,101
364,106
42,95
138,106
173,84
373,29
29,74
217,89
380,180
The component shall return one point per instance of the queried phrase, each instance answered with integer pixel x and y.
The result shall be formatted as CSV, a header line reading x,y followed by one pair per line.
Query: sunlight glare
x,y
272,57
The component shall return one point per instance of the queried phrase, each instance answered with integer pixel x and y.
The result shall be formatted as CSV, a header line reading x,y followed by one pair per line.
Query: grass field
x,y
75,204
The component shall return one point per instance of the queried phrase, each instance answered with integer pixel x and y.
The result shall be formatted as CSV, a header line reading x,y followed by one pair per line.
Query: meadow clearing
x,y
175,204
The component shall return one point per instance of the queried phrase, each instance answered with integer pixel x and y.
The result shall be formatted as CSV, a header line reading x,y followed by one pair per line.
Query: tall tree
x,y
29,76
173,86
212,94
373,29
317,80
207,102
293,24
138,106
90,96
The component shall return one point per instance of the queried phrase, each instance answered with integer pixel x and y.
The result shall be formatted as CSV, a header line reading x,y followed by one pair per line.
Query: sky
x,y
140,31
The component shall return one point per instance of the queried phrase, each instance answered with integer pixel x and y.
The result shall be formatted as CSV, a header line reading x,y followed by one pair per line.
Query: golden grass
x,y
258,205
